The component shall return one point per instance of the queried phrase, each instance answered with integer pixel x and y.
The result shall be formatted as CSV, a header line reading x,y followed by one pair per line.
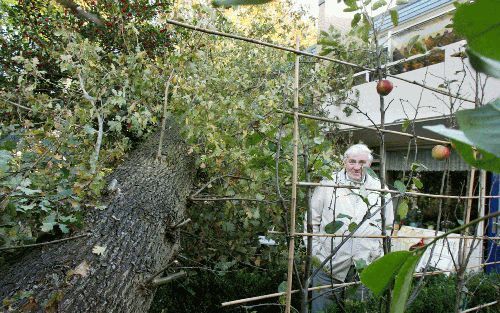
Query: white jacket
x,y
327,203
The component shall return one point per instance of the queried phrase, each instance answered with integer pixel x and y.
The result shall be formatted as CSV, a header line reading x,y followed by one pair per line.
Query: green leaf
x,y
483,64
342,215
228,227
360,264
405,125
370,172
400,186
463,145
355,20
394,17
488,161
351,9
403,281
455,134
381,272
482,126
378,4
46,227
403,209
333,227
227,3
401,2
282,286
5,158
318,140
254,139
352,226
64,229
418,167
28,191
478,22
417,182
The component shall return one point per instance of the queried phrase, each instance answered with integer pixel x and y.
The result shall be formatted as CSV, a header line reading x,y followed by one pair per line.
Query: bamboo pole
x,y
479,307
468,209
291,244
408,193
329,120
279,294
298,52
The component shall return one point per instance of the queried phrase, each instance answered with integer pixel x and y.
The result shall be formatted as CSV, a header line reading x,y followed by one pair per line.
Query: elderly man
x,y
332,205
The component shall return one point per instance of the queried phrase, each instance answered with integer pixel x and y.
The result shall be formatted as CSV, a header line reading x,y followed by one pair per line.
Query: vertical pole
x,y
480,212
291,245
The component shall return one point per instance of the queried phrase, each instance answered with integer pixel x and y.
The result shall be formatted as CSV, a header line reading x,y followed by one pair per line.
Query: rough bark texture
x,y
134,228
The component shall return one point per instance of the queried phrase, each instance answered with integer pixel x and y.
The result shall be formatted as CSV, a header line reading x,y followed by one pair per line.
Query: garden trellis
x,y
295,184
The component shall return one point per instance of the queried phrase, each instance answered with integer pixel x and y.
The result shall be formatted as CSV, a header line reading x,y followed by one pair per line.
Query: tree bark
x,y
135,228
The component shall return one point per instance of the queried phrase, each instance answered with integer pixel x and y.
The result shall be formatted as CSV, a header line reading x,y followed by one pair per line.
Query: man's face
x,y
354,165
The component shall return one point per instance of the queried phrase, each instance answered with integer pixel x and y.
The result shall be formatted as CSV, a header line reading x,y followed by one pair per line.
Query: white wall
x,y
406,97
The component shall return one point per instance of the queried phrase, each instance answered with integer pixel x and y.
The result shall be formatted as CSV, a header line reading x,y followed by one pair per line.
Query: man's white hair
x,y
357,149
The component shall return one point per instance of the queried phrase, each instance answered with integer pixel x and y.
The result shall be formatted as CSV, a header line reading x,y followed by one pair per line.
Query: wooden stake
x,y
479,307
291,245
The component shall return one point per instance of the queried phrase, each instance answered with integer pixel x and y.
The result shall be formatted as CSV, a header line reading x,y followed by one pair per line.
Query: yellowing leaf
x,y
82,269
99,250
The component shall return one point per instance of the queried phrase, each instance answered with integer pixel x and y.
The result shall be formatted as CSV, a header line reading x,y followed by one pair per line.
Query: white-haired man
x,y
333,205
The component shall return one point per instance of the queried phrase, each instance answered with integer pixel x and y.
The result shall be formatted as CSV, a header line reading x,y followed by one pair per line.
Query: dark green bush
x,y
438,296
204,291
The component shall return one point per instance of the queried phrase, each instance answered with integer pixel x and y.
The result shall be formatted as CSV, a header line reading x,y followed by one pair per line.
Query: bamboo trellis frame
x,y
299,52
278,294
296,115
298,234
409,193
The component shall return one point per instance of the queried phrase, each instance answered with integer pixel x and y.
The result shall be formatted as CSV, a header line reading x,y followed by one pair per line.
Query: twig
x,y
17,105
44,243
180,224
163,280
164,118
231,199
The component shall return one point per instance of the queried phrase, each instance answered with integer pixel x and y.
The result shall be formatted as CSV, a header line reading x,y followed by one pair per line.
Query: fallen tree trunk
x,y
135,230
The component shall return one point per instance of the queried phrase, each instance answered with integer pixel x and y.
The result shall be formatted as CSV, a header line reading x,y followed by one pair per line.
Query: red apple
x,y
384,87
440,152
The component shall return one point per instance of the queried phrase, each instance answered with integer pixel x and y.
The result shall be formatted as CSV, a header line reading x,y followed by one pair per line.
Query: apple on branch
x,y
440,152
384,87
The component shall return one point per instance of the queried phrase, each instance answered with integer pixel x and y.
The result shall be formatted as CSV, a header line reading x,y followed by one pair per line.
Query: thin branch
x,y
164,280
17,105
44,243
81,13
231,199
164,118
